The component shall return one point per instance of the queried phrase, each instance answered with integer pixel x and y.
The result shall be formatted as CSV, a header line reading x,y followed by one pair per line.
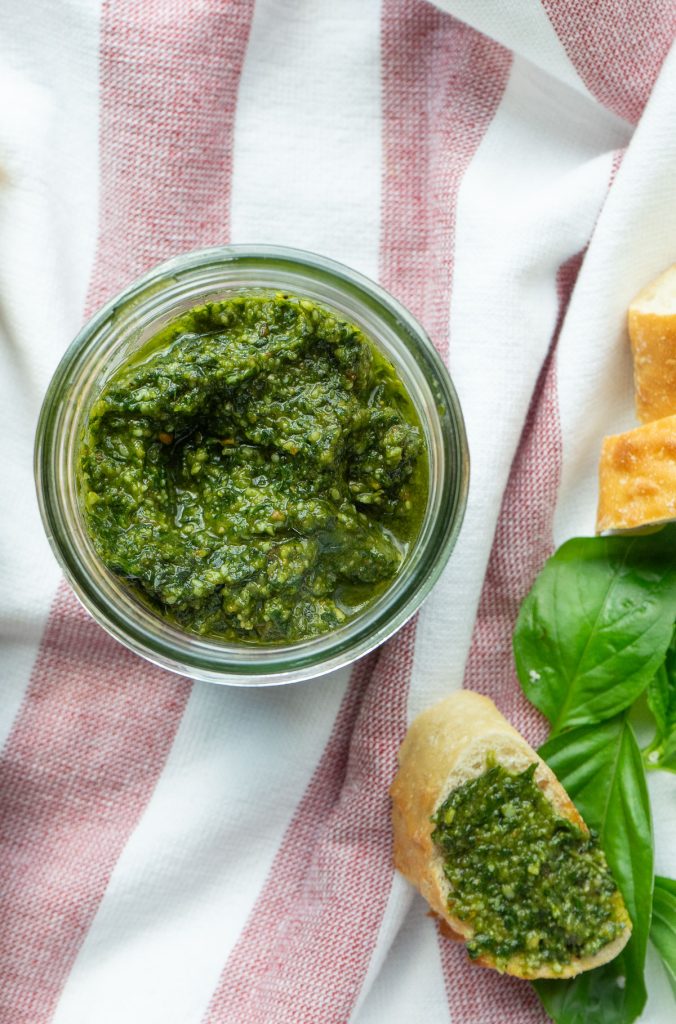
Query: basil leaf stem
x,y
661,697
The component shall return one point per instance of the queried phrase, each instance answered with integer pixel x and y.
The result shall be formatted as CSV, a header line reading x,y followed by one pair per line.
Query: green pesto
x,y
532,884
257,472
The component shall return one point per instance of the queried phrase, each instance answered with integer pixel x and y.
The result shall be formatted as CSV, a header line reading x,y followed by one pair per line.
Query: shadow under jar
x,y
114,338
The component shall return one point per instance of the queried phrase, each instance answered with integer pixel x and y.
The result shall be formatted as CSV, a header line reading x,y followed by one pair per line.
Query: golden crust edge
x,y
442,744
612,514
651,323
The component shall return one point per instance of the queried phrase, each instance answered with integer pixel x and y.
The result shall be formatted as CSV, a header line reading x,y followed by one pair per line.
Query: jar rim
x,y
89,360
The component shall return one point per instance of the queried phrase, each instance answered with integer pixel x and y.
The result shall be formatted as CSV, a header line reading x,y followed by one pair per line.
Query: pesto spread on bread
x,y
531,884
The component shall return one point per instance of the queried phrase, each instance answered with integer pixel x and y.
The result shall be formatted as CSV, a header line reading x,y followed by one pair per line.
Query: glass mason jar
x,y
137,314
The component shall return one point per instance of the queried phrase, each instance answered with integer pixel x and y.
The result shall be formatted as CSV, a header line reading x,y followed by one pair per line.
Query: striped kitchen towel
x,y
177,853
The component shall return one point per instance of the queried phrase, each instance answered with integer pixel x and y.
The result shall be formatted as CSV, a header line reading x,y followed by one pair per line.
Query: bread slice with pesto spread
x,y
485,831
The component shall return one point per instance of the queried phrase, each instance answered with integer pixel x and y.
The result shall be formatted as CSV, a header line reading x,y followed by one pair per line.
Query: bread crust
x,y
651,320
637,477
446,746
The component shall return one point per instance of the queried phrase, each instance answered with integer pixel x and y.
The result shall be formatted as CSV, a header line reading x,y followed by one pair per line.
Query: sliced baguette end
x,y
651,321
446,746
637,478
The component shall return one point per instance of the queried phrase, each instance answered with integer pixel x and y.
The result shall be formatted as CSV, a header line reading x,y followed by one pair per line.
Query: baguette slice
x,y
446,746
637,478
652,330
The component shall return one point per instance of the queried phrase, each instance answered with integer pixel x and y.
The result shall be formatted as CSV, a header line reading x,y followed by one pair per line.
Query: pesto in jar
x,y
257,472
532,884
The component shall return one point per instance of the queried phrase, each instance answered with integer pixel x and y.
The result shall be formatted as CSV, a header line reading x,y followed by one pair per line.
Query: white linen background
x,y
533,195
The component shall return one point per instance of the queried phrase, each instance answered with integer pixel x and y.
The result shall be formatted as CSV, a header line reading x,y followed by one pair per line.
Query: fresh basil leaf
x,y
661,697
601,768
663,927
596,626
606,995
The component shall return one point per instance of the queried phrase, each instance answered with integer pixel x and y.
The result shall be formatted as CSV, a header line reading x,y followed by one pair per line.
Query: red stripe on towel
x,y
442,84
302,949
308,943
616,46
169,80
97,723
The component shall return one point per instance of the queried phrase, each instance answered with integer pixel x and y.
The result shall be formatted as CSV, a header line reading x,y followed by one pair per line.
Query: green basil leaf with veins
x,y
661,696
602,769
663,927
596,626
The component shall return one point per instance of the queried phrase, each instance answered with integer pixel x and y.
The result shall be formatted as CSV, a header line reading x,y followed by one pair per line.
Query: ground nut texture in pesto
x,y
257,472
532,884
